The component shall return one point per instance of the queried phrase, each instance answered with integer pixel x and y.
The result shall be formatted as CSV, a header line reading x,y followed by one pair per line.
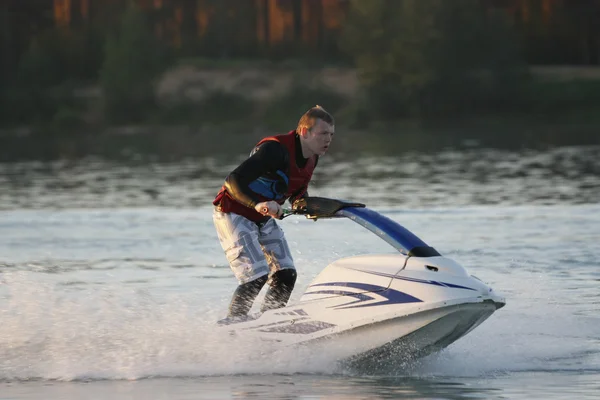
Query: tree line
x,y
416,57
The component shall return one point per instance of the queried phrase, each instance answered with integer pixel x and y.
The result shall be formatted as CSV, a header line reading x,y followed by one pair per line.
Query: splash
x,y
112,333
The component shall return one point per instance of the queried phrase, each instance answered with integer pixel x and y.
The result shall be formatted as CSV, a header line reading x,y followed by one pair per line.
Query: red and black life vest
x,y
265,188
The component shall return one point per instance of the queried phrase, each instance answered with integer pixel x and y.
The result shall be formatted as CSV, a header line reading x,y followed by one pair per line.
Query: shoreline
x,y
175,143
243,104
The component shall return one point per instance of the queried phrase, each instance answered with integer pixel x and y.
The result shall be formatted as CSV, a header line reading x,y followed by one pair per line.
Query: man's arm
x,y
269,157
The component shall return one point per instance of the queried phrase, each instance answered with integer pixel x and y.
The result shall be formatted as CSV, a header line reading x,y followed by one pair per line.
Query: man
x,y
279,168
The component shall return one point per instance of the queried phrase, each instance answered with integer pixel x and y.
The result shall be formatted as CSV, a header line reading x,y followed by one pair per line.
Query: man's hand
x,y
271,208
299,205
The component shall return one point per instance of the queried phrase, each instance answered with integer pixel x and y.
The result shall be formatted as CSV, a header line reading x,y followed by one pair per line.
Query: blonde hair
x,y
310,117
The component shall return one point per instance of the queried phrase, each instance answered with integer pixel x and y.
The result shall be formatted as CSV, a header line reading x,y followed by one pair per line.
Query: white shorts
x,y
253,251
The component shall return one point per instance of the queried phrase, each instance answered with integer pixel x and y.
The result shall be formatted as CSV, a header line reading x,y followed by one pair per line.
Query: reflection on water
x,y
567,175
292,387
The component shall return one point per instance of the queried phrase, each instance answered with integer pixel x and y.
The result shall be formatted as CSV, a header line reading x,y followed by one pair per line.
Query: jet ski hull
x,y
445,327
396,341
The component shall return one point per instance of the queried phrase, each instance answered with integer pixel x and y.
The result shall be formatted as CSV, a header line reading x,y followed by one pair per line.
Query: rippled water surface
x,y
413,179
111,277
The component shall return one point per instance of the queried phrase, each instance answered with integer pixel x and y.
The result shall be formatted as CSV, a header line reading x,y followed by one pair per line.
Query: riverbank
x,y
175,143
204,107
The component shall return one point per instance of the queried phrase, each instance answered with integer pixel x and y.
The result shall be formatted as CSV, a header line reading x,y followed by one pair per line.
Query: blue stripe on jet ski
x,y
405,278
364,286
451,285
392,296
359,296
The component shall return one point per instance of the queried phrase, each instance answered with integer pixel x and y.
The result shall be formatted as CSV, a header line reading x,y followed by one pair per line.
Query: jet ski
x,y
372,310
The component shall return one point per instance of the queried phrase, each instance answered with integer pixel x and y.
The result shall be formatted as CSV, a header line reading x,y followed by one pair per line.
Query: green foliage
x,y
430,57
231,31
417,58
56,108
133,60
217,108
387,41
55,61
40,66
57,55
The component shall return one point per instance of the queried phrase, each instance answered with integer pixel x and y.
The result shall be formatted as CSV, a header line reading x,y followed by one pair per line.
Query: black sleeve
x,y
268,157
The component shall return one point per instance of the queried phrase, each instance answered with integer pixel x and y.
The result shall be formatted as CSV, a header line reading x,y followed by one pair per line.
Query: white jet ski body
x,y
371,309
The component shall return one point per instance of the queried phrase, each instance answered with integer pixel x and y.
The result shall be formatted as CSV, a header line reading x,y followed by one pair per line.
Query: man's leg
x,y
280,289
281,265
244,297
239,239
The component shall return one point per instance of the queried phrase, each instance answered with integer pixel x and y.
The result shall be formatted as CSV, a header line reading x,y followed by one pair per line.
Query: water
x,y
111,277
411,179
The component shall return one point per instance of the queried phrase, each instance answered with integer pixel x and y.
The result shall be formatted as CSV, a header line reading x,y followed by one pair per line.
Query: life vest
x,y
278,187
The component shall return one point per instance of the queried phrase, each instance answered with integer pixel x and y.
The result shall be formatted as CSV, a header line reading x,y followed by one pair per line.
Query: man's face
x,y
319,137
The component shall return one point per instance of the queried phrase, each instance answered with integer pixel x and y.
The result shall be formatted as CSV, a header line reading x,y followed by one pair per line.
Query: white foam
x,y
109,333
